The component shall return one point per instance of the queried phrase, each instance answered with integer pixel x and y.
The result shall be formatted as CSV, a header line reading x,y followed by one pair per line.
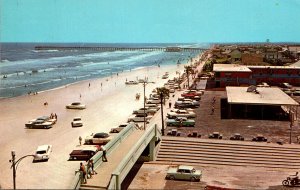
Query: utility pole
x,y
291,125
13,157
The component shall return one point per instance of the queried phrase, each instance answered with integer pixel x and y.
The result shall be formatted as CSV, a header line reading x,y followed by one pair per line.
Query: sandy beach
x,y
107,107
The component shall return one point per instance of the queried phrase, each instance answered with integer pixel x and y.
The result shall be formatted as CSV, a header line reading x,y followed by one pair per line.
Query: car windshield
x,y
76,103
77,119
41,152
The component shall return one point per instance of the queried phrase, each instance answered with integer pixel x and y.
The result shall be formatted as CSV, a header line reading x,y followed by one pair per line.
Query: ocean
x,y
24,69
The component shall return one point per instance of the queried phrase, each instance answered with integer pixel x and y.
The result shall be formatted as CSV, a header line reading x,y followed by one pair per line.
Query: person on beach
x,y
170,104
55,116
80,140
89,85
104,158
82,169
212,110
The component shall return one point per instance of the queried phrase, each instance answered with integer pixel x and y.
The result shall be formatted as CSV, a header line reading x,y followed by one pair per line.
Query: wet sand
x,y
107,107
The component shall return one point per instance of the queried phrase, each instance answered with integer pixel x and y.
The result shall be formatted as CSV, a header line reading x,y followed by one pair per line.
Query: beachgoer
x,y
101,84
80,140
170,104
55,116
104,158
82,169
89,84
212,110
80,96
92,166
89,170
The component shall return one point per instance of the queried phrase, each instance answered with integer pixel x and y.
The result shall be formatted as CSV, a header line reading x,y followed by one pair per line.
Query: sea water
x,y
24,69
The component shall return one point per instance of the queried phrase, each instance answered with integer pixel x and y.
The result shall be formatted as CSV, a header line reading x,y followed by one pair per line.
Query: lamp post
x,y
144,85
14,165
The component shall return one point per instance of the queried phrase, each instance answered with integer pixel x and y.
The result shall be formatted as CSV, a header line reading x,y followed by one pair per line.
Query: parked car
x,y
98,138
119,128
153,101
153,106
84,152
181,121
76,105
139,118
259,138
77,122
183,172
44,122
215,135
131,82
181,113
42,153
186,104
145,110
237,136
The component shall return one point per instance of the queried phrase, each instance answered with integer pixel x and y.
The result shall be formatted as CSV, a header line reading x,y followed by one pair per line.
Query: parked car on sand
x,y
145,110
131,82
98,138
43,122
42,153
84,152
76,105
77,122
139,118
119,128
184,172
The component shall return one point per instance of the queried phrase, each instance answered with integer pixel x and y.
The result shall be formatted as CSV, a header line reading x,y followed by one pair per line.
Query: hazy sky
x,y
138,21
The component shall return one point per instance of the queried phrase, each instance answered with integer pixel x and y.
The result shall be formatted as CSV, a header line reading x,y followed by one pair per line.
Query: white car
x,y
77,122
153,106
181,113
98,138
131,82
153,101
42,153
139,118
76,105
146,110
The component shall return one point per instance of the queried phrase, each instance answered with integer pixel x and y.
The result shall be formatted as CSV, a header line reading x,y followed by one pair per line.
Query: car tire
x,y
172,177
285,182
193,179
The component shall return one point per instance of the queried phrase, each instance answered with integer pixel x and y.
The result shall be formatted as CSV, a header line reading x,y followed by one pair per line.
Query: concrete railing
x,y
110,146
151,134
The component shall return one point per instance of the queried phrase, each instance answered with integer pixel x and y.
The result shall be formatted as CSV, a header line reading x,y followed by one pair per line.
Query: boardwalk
x,y
101,180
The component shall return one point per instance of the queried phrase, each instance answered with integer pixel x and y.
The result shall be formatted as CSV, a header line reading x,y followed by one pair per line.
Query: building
x,y
242,75
258,103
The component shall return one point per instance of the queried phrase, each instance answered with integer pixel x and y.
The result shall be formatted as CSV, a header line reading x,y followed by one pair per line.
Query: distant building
x,y
242,75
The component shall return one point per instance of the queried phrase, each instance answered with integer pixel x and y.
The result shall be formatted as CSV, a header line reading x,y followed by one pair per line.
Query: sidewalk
x,y
101,180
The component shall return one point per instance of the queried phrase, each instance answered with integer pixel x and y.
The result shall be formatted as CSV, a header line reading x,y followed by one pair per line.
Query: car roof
x,y
185,167
77,118
92,148
42,147
43,117
102,135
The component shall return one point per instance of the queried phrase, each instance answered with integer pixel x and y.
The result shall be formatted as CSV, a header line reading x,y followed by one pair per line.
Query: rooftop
x,y
230,68
265,96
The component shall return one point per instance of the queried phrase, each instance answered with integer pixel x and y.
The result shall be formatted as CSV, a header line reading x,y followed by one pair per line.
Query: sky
x,y
149,21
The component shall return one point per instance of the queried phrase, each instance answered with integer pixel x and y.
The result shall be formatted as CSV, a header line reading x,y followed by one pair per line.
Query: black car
x,y
259,138
237,136
85,153
215,135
